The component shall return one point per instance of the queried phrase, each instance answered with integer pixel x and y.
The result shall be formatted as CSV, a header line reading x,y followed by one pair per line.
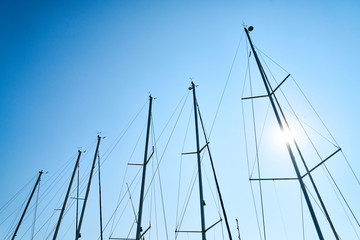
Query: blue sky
x,y
71,69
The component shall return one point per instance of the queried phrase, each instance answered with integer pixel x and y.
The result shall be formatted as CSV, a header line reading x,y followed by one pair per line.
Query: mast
x,y
88,189
67,196
27,205
292,157
199,166
139,229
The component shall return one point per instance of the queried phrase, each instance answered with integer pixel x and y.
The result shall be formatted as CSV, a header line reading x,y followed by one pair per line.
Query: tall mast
x,y
138,229
292,157
67,196
27,205
199,166
88,189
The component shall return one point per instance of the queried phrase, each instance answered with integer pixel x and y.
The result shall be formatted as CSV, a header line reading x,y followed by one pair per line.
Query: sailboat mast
x,y
292,157
199,166
88,189
67,196
27,205
138,229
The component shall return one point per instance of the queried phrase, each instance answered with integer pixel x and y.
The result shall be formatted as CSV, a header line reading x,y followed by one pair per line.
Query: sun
x,y
285,136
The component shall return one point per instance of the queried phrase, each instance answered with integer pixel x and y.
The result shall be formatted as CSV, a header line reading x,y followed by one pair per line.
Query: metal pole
x,y
216,181
66,197
27,205
88,189
292,157
199,167
138,229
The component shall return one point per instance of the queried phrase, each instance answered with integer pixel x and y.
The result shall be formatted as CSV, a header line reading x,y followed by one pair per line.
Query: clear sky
x,y
70,69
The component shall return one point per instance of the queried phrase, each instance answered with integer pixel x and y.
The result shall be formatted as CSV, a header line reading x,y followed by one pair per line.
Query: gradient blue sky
x,y
72,68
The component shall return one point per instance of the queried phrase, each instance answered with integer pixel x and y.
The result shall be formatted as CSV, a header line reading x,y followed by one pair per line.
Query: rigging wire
x,y
260,139
36,206
167,143
48,220
124,177
303,123
247,156
226,83
341,203
211,190
119,202
46,191
100,205
323,165
12,226
191,187
160,185
281,213
192,183
112,146
11,200
53,188
180,169
182,213
256,149
132,204
58,203
318,116
122,197
111,149
125,207
220,201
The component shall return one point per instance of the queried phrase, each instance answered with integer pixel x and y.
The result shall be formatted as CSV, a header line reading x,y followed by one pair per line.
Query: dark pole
x,y
27,205
292,157
199,167
138,229
216,181
88,189
66,197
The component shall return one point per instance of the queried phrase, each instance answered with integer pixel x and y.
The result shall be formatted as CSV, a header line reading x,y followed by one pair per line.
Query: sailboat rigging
x,y
78,234
298,160
27,205
198,151
67,197
292,146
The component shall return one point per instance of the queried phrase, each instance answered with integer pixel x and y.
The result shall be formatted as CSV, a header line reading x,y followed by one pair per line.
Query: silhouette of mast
x,y
27,205
203,231
139,229
290,151
88,189
66,197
